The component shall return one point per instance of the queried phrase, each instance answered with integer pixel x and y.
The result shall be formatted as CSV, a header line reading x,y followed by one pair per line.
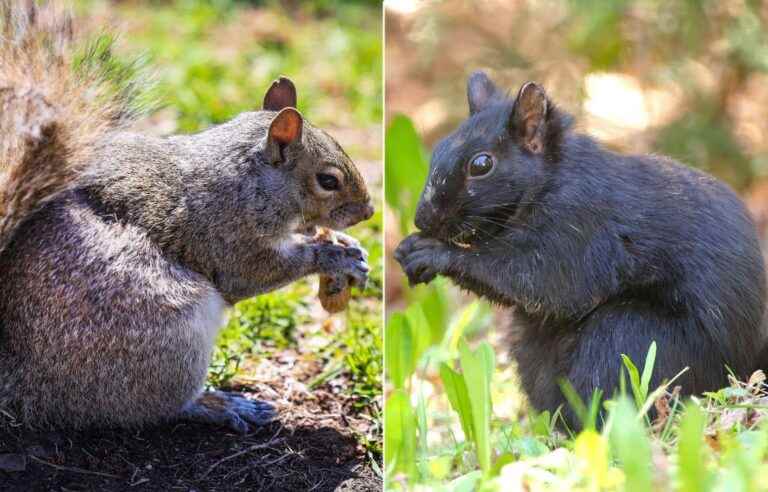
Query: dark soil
x,y
314,445
187,456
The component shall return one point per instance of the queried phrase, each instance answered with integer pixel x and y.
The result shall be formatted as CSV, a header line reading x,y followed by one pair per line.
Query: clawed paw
x,y
422,258
230,410
344,260
350,242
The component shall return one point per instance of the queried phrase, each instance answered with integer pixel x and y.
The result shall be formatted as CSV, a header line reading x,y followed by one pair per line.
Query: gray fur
x,y
121,259
114,291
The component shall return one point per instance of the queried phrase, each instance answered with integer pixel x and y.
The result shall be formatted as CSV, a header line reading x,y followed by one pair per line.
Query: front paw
x,y
340,260
422,258
348,241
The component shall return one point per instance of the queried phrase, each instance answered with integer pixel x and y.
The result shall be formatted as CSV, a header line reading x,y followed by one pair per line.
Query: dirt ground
x,y
191,457
313,446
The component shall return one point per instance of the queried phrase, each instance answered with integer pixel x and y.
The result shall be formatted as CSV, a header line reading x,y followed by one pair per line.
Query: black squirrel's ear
x,y
529,117
480,91
284,130
280,95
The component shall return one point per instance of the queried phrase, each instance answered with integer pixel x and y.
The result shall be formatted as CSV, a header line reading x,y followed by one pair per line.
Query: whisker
x,y
491,237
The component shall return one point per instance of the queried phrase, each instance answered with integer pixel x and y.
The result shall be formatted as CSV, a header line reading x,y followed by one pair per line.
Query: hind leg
x,y
230,410
589,356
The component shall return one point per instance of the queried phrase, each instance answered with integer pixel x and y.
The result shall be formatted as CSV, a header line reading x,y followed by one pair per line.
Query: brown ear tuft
x,y
286,126
480,91
529,117
280,95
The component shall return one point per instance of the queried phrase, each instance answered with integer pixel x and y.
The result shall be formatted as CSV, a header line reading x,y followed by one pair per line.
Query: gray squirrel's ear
x,y
280,95
284,130
480,91
529,117
286,126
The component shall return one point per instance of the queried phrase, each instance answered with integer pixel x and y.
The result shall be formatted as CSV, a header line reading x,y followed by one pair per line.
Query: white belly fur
x,y
208,317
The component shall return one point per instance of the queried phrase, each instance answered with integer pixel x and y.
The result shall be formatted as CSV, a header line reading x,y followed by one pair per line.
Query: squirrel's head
x,y
329,187
278,173
493,166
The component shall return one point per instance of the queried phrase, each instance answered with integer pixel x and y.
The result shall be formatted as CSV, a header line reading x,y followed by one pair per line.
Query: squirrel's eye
x,y
480,165
328,182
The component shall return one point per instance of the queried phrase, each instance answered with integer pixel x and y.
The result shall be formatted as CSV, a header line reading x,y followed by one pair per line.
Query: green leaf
x,y
631,446
458,396
577,404
741,461
436,308
400,438
478,367
542,424
692,473
634,379
399,350
405,169
420,331
650,360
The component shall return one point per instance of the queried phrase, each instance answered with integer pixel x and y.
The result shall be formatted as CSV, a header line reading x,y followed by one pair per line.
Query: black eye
x,y
328,182
480,165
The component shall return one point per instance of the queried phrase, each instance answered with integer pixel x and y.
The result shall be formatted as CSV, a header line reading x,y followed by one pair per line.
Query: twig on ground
x,y
272,441
271,463
72,469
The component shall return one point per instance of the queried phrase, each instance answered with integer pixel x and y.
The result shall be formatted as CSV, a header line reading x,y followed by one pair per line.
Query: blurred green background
x,y
684,78
213,59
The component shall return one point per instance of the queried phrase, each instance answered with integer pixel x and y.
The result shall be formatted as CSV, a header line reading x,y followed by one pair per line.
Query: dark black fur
x,y
599,254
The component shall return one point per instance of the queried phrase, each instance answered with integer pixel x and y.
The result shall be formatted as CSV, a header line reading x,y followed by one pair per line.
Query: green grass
x,y
456,419
215,59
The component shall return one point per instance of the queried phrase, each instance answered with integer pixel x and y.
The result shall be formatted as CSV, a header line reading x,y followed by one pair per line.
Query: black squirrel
x,y
598,253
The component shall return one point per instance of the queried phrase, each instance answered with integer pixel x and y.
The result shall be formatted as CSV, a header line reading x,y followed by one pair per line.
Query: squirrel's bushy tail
x,y
57,99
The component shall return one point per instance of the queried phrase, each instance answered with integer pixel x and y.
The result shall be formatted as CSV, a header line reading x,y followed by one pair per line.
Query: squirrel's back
x,y
691,243
57,99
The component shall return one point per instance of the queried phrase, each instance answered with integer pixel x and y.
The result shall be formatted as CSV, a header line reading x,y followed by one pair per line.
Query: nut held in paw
x,y
334,291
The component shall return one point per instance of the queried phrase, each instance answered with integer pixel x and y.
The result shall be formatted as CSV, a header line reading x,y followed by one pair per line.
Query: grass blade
x,y
630,444
400,438
398,353
456,390
478,367
690,456
645,379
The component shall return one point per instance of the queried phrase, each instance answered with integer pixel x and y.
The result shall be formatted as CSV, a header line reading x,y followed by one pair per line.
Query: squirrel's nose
x,y
425,217
367,211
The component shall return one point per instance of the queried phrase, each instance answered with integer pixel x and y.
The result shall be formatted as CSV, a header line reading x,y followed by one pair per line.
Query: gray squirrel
x,y
596,253
120,252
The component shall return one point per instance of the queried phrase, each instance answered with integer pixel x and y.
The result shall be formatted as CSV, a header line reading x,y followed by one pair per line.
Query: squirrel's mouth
x,y
464,238
307,230
481,229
